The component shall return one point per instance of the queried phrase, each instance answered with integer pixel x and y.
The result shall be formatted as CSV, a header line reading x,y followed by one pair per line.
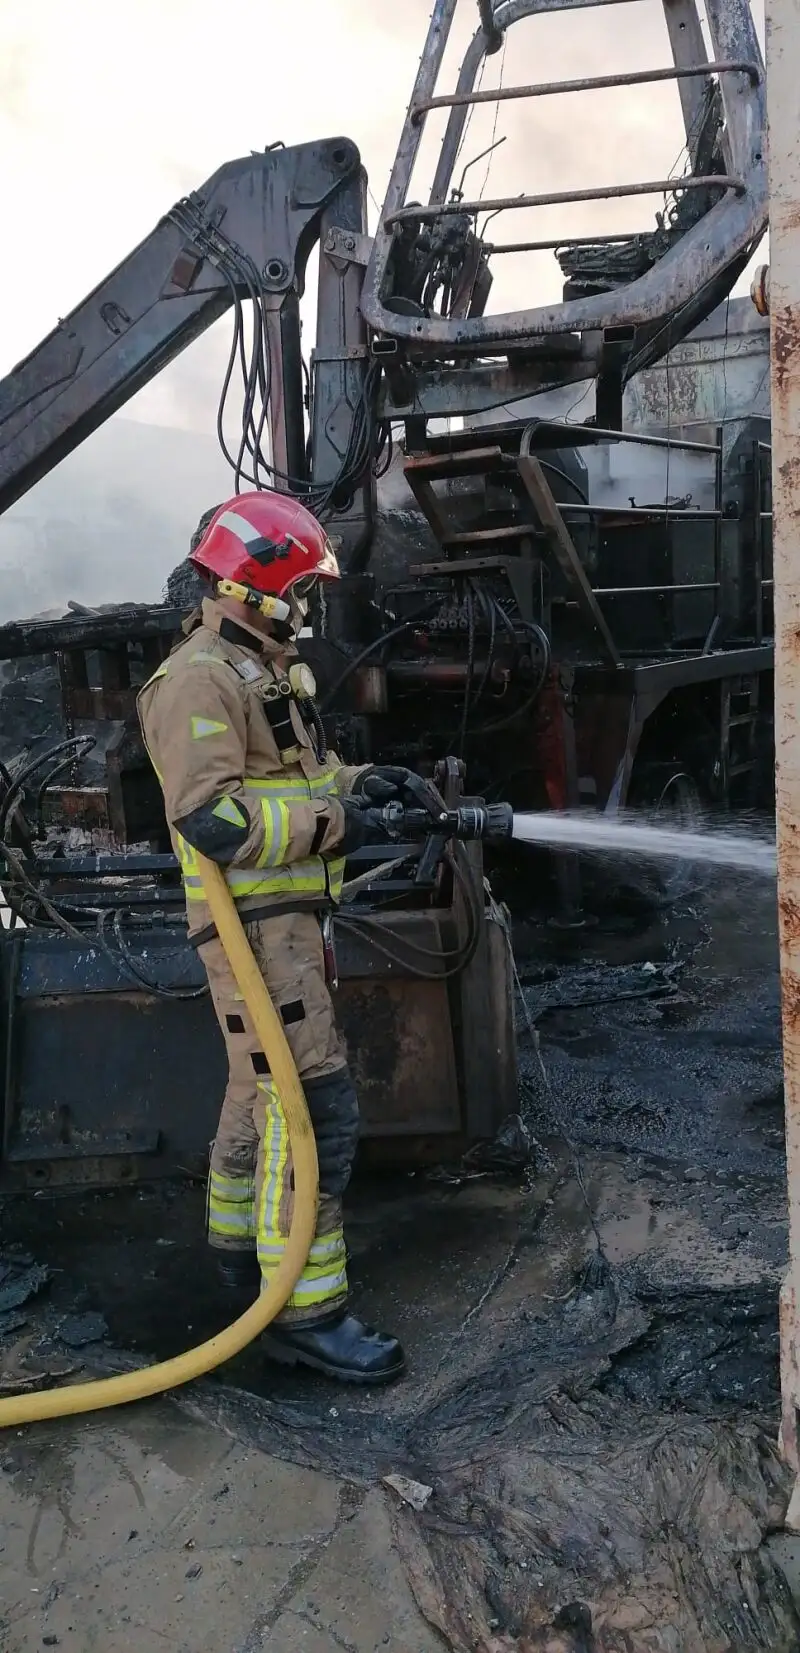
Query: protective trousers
x,y
251,1190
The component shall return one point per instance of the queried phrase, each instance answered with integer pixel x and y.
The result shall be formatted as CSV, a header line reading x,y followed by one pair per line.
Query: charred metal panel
x,y
400,1047
98,1070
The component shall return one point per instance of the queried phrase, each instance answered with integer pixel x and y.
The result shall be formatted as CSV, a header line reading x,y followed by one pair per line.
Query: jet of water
x,y
615,834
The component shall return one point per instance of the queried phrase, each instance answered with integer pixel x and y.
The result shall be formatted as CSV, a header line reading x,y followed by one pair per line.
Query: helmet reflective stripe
x,y
240,526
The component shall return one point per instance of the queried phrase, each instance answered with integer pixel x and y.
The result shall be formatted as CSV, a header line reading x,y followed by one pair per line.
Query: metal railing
x,y
596,83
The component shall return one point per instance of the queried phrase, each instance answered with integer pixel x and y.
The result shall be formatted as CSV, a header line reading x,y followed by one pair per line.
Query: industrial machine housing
x,y
507,597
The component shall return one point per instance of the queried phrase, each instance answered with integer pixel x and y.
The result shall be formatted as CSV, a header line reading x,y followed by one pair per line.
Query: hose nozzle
x,y
486,821
469,821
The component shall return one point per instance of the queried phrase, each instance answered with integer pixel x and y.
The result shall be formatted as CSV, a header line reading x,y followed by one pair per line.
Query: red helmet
x,y
267,542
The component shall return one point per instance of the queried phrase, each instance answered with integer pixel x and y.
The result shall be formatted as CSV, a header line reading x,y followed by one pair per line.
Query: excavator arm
x,y
245,235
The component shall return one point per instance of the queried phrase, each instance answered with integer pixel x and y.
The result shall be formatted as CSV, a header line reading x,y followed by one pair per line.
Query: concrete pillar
x,y
783,100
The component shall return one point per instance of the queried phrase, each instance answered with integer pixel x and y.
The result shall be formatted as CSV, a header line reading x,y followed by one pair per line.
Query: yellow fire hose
x,y
153,1380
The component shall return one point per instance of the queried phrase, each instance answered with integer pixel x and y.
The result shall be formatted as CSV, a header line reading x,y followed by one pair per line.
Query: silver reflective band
x,y
239,526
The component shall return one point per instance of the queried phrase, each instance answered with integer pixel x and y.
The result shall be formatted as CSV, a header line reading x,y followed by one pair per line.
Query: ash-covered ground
x,y
592,1400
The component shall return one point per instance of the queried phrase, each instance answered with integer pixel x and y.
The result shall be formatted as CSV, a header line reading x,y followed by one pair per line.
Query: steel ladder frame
x,y
721,240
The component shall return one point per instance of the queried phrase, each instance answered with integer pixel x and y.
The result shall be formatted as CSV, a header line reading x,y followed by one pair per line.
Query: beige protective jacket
x,y
262,803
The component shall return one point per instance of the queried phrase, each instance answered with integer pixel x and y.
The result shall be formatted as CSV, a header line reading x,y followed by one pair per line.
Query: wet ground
x,y
593,1362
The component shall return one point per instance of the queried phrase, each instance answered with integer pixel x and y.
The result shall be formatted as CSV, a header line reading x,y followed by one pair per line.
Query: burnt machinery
x,y
510,596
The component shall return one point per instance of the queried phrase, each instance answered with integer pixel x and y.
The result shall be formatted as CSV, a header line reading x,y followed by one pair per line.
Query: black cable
x,y
470,602
78,746
364,440
491,619
319,728
21,825
521,711
17,869
237,347
378,642
128,965
122,962
385,442
235,265
507,622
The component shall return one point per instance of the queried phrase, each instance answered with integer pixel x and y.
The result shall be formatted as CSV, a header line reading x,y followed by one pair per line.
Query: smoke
x,y
111,522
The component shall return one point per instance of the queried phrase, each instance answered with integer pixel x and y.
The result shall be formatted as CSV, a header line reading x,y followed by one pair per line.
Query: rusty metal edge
x,y
783,36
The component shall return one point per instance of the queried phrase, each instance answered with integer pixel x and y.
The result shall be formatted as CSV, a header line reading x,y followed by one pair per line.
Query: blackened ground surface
x,y
593,1379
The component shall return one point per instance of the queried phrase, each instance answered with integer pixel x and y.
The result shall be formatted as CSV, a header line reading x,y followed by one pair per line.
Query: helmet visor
x,y
302,588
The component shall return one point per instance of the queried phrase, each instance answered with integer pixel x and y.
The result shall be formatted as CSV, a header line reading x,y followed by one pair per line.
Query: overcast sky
x,y
109,113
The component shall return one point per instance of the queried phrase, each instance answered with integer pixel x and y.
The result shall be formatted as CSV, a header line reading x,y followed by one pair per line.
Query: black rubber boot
x,y
342,1348
239,1271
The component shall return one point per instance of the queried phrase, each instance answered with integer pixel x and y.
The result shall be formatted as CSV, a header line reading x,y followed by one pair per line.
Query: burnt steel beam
x,y
688,47
556,431
597,83
169,290
494,38
439,391
340,362
424,87
494,248
565,197
24,637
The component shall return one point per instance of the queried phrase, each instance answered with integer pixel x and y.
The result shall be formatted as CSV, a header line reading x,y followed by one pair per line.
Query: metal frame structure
x,y
246,236
685,282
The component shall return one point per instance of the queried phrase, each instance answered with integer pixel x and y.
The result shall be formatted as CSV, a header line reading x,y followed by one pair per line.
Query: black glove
x,y
362,825
381,783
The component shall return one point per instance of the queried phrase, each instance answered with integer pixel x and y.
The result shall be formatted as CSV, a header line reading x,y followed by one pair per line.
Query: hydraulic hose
x,y
169,1374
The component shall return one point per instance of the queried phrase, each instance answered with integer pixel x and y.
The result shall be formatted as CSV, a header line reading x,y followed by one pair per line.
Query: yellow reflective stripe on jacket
x,y
298,787
336,878
297,878
275,814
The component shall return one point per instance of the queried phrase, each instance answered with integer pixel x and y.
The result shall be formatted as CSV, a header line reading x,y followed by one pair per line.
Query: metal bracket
x,y
348,246
352,353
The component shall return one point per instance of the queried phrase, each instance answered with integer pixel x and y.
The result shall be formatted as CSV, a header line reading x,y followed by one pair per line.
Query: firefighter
x,y
233,734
